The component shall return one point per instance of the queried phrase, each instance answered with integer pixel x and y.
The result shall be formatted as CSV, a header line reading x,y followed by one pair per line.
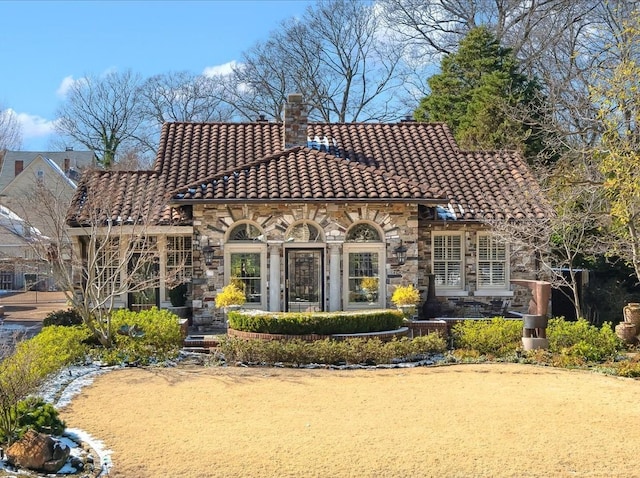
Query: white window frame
x,y
492,288
371,247
446,288
183,259
248,248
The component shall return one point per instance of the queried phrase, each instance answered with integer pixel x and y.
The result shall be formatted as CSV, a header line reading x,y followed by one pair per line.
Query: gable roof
x,y
38,162
77,160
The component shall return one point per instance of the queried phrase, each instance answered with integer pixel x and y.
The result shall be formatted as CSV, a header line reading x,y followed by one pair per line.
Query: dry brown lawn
x,y
495,420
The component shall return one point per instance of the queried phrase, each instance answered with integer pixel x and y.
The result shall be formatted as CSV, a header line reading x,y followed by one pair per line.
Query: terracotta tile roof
x,y
407,161
190,152
124,197
476,185
305,174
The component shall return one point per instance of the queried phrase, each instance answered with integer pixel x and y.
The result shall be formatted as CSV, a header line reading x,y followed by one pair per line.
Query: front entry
x,y
304,289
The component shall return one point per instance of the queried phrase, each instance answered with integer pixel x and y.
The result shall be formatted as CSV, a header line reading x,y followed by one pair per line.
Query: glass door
x,y
304,286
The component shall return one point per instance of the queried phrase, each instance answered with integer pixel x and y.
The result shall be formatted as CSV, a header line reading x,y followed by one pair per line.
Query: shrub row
x,y
351,351
321,323
572,341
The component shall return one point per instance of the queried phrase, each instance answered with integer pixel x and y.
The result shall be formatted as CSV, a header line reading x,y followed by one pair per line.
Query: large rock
x,y
39,452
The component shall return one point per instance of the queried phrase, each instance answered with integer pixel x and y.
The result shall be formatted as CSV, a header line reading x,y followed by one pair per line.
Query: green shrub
x,y
582,340
142,337
53,348
321,323
353,351
31,363
65,318
497,336
33,413
38,415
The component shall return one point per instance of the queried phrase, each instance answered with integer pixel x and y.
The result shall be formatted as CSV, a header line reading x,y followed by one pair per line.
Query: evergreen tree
x,y
483,98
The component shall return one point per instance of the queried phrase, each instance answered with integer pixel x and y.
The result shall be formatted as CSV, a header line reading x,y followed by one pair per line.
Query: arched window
x,y
246,232
304,232
245,263
363,233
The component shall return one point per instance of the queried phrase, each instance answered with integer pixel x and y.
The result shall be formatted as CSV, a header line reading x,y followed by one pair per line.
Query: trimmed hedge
x,y
327,351
321,323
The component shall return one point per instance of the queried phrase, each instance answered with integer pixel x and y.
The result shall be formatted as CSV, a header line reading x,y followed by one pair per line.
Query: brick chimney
x,y
295,122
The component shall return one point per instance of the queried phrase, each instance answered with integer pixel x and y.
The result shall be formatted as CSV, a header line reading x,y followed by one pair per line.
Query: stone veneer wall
x,y
522,264
397,221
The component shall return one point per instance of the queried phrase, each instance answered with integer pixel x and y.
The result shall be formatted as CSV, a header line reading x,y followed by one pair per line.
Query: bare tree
x,y
102,249
336,55
102,113
10,130
570,235
180,96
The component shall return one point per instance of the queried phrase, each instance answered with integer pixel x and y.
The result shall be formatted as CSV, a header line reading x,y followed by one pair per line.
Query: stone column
x,y
274,277
335,279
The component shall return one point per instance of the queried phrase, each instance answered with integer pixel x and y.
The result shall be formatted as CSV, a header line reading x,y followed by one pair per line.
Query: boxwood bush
x,y
582,340
328,351
321,323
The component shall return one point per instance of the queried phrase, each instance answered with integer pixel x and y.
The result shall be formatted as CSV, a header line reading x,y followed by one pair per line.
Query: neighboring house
x,y
70,162
37,188
302,213
19,265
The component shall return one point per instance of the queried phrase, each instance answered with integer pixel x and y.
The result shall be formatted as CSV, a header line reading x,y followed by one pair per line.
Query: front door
x,y
304,285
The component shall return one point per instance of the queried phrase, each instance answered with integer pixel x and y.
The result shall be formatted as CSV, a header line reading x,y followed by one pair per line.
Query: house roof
x,y
120,197
246,162
78,160
306,174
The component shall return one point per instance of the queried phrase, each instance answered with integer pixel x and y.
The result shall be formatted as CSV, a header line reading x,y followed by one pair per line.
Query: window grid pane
x,y
361,265
245,269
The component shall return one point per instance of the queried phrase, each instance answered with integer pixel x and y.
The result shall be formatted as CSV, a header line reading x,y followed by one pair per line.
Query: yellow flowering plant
x,y
369,284
405,295
230,295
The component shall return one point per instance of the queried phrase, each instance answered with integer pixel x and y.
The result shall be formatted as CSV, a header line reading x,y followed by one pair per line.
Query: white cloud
x,y
34,126
67,83
220,70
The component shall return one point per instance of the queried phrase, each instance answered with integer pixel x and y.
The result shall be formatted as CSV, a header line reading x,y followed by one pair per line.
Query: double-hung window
x,y
447,261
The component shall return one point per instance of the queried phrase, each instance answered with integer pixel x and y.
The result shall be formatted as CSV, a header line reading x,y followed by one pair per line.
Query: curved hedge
x,y
321,323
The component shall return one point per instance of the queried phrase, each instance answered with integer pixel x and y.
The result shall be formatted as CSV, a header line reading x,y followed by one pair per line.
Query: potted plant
x,y
178,298
406,298
370,287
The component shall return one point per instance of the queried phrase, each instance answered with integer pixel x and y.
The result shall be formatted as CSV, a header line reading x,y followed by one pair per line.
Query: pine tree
x,y
483,98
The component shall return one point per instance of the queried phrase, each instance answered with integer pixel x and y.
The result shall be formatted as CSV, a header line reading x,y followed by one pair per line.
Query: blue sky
x,y
44,44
